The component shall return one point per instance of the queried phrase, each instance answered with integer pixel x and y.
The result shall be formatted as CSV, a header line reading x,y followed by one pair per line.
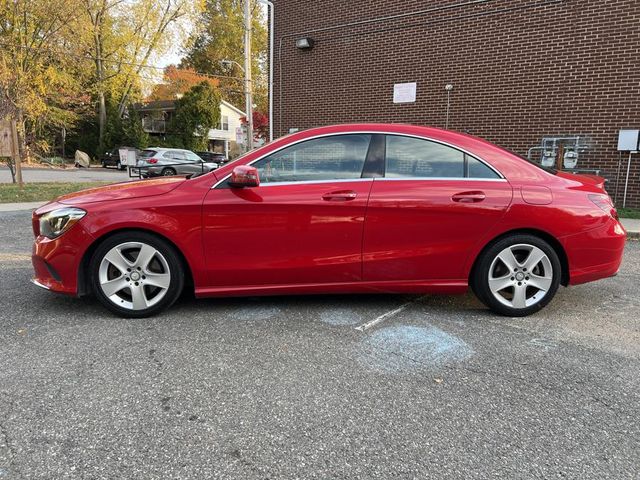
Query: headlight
x,y
56,222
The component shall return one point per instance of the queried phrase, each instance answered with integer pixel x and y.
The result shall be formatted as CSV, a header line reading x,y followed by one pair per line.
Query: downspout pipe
x,y
271,42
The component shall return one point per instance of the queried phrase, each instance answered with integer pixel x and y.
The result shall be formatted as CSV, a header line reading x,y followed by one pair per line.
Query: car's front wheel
x,y
136,274
518,275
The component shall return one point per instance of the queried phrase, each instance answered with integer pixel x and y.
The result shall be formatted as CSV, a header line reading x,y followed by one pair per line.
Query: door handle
x,y
469,197
340,196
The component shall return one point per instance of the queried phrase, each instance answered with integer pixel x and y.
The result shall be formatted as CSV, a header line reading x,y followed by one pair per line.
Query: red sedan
x,y
350,208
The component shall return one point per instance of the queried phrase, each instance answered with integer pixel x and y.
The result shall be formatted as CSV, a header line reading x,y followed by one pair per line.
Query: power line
x,y
117,62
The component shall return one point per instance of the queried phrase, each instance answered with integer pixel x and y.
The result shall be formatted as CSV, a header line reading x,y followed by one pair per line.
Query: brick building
x,y
521,70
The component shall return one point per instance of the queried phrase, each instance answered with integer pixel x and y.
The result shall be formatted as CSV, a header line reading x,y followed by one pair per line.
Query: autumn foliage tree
x,y
177,82
260,124
40,88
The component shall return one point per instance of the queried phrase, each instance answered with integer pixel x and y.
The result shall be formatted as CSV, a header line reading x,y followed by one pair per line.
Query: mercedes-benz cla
x,y
364,208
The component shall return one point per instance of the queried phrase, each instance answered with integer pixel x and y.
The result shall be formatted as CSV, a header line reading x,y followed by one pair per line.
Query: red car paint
x,y
366,235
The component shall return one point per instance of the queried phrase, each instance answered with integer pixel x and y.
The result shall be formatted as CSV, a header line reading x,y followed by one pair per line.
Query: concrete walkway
x,y
94,174
16,207
631,226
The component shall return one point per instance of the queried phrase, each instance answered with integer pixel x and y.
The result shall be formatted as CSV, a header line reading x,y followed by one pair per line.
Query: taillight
x,y
604,203
152,160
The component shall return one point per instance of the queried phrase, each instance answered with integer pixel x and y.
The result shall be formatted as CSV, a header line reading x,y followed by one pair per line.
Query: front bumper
x,y
56,263
595,254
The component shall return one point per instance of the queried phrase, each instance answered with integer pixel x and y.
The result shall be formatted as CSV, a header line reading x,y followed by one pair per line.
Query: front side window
x,y
174,155
328,158
225,122
409,157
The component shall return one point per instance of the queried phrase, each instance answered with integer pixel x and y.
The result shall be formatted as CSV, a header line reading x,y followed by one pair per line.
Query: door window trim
x,y
372,132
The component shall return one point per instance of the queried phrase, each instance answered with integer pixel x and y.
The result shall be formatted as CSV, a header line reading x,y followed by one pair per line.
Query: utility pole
x,y
247,73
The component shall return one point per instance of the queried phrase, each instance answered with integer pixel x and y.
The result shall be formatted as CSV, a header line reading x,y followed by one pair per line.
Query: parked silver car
x,y
154,162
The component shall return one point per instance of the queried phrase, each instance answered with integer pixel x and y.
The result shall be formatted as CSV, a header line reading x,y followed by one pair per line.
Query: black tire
x,y
167,252
119,165
167,172
103,164
482,271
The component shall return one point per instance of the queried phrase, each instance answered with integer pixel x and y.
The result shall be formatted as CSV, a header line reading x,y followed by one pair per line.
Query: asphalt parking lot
x,y
287,387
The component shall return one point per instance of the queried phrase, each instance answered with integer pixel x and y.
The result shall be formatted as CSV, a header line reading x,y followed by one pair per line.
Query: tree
x,y
38,80
219,36
197,112
260,124
177,82
124,34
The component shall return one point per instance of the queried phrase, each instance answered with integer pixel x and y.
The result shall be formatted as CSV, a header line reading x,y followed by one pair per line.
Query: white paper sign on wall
x,y
404,92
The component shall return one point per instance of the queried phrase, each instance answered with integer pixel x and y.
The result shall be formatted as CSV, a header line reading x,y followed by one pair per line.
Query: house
x,y
555,80
156,117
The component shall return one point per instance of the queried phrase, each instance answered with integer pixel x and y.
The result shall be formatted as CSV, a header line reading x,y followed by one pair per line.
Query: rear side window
x,y
477,169
409,157
147,153
327,158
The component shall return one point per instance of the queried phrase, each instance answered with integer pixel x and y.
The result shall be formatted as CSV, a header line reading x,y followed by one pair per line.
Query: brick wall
x,y
521,70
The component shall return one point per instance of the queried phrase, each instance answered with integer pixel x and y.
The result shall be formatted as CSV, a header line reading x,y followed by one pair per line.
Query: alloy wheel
x,y
134,275
520,276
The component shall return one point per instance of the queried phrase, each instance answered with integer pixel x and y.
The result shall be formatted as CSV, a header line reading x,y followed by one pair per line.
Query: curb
x,y
20,206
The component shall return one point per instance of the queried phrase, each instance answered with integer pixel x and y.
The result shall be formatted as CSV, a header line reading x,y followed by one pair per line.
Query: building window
x,y
225,122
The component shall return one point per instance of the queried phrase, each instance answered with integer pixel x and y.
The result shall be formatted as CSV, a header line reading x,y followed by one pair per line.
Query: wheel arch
x,y
550,239
84,287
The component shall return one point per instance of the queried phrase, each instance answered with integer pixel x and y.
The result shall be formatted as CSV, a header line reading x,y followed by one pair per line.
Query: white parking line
x,y
384,316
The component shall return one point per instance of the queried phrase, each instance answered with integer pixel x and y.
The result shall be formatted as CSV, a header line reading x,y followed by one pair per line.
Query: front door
x,y
302,225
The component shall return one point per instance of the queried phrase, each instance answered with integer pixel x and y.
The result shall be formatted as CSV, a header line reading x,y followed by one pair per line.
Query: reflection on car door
x,y
302,225
428,211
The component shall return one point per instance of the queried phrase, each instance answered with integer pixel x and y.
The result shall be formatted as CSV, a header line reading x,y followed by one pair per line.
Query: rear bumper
x,y
595,254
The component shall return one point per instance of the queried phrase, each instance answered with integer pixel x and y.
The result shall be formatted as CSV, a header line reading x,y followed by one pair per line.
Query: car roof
x,y
508,164
163,149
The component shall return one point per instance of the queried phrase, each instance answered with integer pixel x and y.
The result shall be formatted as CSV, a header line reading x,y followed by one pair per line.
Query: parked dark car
x,y
213,157
111,158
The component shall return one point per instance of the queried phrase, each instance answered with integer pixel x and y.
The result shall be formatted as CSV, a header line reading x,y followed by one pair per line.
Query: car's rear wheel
x,y
168,172
136,274
517,276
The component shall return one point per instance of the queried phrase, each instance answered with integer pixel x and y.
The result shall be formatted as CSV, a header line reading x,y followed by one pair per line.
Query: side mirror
x,y
244,176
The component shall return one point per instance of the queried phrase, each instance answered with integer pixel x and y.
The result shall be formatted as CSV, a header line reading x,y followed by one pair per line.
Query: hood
x,y
591,180
122,191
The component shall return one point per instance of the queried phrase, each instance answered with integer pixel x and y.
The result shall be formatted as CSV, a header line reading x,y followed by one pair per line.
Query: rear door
x,y
428,210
